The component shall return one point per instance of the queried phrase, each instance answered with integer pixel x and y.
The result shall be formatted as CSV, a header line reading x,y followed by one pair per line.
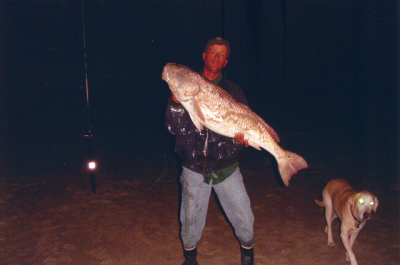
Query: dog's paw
x,y
331,244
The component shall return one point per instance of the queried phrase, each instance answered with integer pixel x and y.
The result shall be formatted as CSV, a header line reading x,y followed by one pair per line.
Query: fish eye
x,y
361,201
371,203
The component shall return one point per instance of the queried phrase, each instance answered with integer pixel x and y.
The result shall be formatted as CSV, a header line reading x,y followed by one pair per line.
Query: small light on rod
x,y
92,165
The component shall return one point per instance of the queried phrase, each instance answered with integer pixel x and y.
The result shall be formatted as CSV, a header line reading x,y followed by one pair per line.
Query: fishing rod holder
x,y
92,175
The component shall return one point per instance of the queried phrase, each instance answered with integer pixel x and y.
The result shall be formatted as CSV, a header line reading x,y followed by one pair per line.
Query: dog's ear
x,y
351,199
376,202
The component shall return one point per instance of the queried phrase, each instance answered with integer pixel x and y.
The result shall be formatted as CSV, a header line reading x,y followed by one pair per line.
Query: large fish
x,y
210,106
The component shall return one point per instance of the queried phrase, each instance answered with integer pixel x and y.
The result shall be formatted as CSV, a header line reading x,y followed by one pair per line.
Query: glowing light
x,y
92,165
361,201
371,203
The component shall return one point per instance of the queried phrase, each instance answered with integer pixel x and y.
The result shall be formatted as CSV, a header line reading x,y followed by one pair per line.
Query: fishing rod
x,y
89,128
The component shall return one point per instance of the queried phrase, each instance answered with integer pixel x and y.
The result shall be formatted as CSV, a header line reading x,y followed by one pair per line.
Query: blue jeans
x,y
233,198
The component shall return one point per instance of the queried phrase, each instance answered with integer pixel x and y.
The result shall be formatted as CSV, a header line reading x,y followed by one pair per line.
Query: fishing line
x,y
162,174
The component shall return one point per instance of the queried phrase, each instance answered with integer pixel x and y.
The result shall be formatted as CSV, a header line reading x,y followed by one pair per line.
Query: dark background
x,y
324,74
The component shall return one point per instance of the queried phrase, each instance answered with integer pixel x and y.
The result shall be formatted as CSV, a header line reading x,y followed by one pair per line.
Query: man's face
x,y
215,58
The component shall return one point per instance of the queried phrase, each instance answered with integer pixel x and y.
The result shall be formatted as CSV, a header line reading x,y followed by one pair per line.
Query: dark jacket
x,y
190,144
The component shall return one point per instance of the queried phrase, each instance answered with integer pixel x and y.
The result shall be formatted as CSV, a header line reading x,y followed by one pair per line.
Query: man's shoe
x,y
190,256
247,256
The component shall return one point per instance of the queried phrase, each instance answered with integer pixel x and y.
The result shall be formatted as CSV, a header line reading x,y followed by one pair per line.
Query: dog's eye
x,y
371,203
361,201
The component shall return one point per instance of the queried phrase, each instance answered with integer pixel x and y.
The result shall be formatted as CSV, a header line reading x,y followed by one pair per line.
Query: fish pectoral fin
x,y
196,123
199,114
198,111
256,146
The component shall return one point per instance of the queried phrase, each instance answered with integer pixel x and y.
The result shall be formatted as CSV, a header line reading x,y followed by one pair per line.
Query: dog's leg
x,y
348,244
330,215
353,237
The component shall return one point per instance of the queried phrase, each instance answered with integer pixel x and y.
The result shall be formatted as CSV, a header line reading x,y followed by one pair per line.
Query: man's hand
x,y
174,98
239,137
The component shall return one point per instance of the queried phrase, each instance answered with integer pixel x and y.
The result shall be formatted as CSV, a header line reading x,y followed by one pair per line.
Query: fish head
x,y
182,81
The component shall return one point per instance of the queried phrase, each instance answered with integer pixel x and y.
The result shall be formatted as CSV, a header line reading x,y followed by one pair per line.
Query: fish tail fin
x,y
319,203
289,164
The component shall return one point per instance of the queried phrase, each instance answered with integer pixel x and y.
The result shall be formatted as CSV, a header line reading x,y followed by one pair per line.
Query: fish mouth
x,y
165,75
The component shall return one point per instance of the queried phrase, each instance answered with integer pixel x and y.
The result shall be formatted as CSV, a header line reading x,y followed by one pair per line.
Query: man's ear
x,y
226,62
204,56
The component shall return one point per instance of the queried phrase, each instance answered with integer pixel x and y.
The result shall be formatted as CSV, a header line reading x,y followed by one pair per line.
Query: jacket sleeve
x,y
176,117
226,146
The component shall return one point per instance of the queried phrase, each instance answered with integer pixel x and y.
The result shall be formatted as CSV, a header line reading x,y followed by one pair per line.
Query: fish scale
x,y
210,106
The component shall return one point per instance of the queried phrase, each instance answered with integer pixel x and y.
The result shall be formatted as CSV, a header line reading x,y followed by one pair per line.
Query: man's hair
x,y
220,41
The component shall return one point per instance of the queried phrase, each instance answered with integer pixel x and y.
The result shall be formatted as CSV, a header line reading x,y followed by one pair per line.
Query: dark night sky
x,y
339,81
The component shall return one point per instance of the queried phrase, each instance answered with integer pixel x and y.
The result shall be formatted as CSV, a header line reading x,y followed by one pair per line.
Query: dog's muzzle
x,y
366,215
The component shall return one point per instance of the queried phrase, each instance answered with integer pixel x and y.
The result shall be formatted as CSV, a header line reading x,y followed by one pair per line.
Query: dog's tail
x,y
319,203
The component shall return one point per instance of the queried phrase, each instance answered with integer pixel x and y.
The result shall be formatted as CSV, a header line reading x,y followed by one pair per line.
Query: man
x,y
209,160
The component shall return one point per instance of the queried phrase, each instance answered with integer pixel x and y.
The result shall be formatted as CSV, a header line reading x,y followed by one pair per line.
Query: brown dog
x,y
353,209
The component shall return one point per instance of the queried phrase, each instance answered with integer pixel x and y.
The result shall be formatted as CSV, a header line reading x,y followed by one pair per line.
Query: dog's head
x,y
362,204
